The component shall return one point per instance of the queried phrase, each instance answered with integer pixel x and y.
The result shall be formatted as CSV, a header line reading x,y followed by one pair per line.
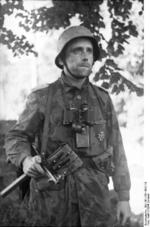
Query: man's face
x,y
79,57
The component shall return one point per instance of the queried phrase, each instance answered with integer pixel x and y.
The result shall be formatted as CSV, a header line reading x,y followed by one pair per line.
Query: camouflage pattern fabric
x,y
82,198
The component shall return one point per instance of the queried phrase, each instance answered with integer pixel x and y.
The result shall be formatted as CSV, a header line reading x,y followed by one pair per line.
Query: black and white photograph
x,y
72,136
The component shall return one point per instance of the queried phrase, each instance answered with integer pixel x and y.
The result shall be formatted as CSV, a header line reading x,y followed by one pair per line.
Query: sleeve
x,y
121,176
19,139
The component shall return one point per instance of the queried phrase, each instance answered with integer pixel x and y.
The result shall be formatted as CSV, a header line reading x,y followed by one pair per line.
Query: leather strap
x,y
51,88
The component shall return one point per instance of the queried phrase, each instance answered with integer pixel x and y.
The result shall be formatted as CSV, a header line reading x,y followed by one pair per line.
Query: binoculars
x,y
78,117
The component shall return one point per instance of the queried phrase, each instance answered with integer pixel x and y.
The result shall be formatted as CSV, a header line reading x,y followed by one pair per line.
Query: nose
x,y
85,55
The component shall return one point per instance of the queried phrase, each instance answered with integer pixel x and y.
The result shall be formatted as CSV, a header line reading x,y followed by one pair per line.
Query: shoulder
x,y
100,88
104,96
103,93
42,88
103,90
40,93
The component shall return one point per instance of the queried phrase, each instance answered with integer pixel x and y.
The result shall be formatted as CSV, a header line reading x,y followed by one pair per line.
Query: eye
x,y
90,50
77,50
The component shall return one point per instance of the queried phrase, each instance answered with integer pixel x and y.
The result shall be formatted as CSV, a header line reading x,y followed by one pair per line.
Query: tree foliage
x,y
44,19
18,44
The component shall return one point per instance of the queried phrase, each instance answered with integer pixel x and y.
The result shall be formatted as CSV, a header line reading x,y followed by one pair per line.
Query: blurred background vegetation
x,y
29,31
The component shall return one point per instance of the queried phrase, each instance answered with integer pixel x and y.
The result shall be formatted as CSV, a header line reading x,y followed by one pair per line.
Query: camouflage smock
x,y
82,198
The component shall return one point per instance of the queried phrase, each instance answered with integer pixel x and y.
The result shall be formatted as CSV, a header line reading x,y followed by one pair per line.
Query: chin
x,y
85,73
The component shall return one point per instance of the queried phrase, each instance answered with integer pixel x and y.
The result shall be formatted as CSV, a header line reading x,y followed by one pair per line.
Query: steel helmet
x,y
73,33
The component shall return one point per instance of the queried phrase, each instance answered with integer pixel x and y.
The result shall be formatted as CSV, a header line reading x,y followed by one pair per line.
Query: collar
x,y
70,83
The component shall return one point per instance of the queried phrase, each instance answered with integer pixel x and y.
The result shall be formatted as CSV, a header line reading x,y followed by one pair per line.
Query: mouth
x,y
84,65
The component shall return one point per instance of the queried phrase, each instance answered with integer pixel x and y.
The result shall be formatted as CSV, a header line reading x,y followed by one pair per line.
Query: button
x,y
79,97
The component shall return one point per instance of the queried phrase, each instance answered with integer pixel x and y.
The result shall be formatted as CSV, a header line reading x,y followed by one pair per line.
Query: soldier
x,y
83,145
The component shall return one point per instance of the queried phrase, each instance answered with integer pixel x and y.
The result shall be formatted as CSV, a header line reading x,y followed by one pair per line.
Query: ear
x,y
61,61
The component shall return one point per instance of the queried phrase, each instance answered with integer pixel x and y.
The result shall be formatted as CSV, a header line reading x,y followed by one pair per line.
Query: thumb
x,y
37,159
118,215
124,219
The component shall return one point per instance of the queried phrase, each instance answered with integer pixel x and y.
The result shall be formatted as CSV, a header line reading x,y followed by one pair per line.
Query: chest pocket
x,y
98,137
98,130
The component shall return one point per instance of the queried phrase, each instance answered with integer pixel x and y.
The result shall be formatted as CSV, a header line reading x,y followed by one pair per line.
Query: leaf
x,y
96,77
101,74
103,53
118,51
132,29
114,89
18,45
139,91
110,62
60,14
121,87
110,47
105,85
115,77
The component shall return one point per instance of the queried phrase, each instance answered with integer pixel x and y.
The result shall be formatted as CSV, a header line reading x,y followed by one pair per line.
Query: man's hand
x,y
123,212
32,168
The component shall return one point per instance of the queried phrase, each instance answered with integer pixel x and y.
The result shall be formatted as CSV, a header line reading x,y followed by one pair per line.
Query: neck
x,y
74,81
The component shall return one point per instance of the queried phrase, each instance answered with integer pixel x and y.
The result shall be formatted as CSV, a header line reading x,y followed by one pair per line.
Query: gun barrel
x,y
13,185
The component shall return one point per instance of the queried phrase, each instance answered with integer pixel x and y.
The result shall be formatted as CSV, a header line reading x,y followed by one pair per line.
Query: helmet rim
x,y
79,34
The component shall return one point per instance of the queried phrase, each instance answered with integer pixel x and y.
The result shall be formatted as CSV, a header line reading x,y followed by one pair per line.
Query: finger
x,y
32,173
39,169
124,220
118,215
35,170
35,173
